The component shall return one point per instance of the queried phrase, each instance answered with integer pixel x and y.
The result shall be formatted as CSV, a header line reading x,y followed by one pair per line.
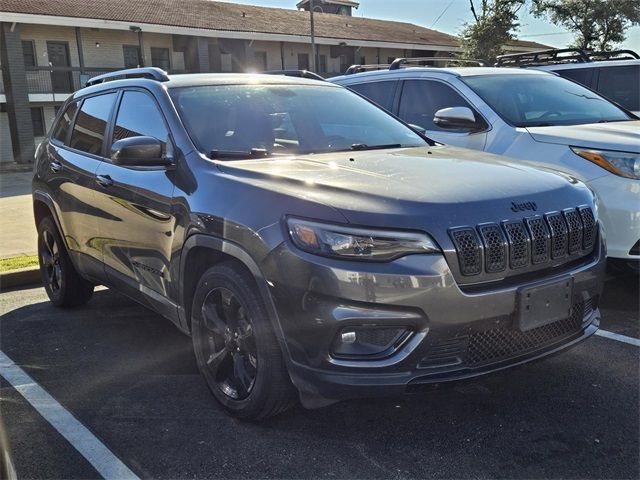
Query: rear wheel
x,y
63,284
235,346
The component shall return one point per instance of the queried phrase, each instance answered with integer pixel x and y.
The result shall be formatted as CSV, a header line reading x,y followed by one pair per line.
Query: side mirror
x,y
418,129
139,152
457,118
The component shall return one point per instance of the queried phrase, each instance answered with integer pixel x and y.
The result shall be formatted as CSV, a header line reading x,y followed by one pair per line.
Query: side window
x,y
91,124
583,76
421,99
620,84
62,127
139,115
381,93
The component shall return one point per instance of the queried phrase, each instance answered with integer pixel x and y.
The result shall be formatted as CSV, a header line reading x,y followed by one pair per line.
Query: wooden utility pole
x,y
313,39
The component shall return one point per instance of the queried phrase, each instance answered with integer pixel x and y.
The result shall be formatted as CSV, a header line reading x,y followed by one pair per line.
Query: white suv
x,y
530,115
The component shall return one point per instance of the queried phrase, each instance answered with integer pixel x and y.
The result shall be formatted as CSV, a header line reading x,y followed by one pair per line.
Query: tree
x,y
597,24
493,27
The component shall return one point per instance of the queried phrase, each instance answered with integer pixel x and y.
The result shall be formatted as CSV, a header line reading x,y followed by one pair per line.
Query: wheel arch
x,y
43,206
202,251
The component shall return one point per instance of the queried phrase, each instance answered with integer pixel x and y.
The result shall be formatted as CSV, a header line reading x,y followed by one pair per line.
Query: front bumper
x,y
455,332
619,211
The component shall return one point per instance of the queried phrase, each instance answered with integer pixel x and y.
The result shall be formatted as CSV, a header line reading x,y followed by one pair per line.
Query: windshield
x,y
242,121
543,100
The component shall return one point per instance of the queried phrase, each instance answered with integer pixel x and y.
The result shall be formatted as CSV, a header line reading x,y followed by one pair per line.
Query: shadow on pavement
x,y
130,377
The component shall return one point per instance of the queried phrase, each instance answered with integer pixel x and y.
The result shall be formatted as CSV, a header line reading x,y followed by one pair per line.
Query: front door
x,y
137,235
58,53
421,99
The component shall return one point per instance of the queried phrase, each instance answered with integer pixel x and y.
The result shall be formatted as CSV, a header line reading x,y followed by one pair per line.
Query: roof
x,y
202,79
459,72
223,16
526,44
349,3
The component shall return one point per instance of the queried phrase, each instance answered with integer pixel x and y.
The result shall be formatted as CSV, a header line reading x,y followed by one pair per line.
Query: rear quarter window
x,y
61,129
583,76
622,85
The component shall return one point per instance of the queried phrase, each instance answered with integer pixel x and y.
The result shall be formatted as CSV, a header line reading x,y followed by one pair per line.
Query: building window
x,y
323,64
131,55
363,61
37,121
29,53
260,61
303,61
160,58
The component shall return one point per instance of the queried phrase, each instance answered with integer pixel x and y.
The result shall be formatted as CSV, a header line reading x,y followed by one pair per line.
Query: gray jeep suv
x,y
311,244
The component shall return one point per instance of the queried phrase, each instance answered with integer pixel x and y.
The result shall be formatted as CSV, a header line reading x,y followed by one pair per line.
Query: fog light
x,y
369,342
348,337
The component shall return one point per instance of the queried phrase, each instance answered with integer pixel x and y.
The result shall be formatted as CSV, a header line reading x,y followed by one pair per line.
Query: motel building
x,y
48,49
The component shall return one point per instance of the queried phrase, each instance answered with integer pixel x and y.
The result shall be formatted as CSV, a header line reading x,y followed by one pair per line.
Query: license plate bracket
x,y
543,304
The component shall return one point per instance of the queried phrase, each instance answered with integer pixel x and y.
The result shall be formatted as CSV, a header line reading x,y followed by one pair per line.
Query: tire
x,y
235,347
63,284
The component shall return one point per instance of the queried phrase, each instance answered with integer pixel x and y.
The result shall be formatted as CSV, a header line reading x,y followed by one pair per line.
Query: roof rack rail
x,y
363,68
543,57
296,73
152,73
613,55
399,62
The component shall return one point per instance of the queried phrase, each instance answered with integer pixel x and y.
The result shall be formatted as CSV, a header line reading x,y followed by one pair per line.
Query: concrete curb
x,y
22,277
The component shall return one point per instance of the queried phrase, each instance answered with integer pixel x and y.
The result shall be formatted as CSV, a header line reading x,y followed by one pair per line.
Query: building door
x,y
131,56
58,53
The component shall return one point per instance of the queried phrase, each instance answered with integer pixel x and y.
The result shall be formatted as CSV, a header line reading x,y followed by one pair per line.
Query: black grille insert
x,y
574,224
518,244
589,228
540,239
495,247
468,248
559,234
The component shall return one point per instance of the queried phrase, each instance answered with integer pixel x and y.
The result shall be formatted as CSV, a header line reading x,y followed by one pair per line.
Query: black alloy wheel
x,y
235,346
230,346
62,282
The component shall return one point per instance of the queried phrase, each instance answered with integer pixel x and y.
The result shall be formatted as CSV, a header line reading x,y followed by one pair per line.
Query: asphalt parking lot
x,y
130,377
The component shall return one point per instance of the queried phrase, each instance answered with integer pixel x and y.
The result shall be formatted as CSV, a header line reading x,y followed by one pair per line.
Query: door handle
x,y
55,167
104,180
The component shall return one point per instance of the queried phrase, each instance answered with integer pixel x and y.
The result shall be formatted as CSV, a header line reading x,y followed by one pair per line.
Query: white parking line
x,y
619,338
96,453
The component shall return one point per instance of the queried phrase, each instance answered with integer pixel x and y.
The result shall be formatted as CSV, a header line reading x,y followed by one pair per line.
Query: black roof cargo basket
x,y
561,56
152,73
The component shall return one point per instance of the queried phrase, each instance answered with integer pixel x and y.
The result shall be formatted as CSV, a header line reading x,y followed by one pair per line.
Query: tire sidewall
x,y
48,225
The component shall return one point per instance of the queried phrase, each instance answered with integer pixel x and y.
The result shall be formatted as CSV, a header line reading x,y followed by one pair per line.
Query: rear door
x,y
420,99
76,150
138,233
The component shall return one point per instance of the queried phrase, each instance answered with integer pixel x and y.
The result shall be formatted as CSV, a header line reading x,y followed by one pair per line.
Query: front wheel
x,y
235,346
63,284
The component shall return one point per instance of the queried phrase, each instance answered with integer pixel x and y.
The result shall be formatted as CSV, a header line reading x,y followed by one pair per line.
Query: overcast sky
x,y
452,14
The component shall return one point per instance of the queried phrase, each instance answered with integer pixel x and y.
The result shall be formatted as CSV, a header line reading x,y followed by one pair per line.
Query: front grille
x,y
515,244
498,343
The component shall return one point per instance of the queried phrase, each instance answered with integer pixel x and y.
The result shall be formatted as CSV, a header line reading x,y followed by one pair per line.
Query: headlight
x,y
357,243
625,164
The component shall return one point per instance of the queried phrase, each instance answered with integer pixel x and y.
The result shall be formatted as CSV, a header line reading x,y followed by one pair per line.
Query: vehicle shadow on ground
x,y
130,377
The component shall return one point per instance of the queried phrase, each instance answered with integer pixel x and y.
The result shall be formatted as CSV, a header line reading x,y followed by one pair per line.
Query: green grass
x,y
15,263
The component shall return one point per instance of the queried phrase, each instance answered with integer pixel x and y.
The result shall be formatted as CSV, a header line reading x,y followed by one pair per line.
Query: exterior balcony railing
x,y
62,80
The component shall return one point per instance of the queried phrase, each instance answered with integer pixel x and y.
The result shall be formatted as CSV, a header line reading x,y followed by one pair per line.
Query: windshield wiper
x,y
364,146
238,154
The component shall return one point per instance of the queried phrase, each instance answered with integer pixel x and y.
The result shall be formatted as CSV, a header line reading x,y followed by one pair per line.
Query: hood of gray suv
x,y
623,136
414,187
